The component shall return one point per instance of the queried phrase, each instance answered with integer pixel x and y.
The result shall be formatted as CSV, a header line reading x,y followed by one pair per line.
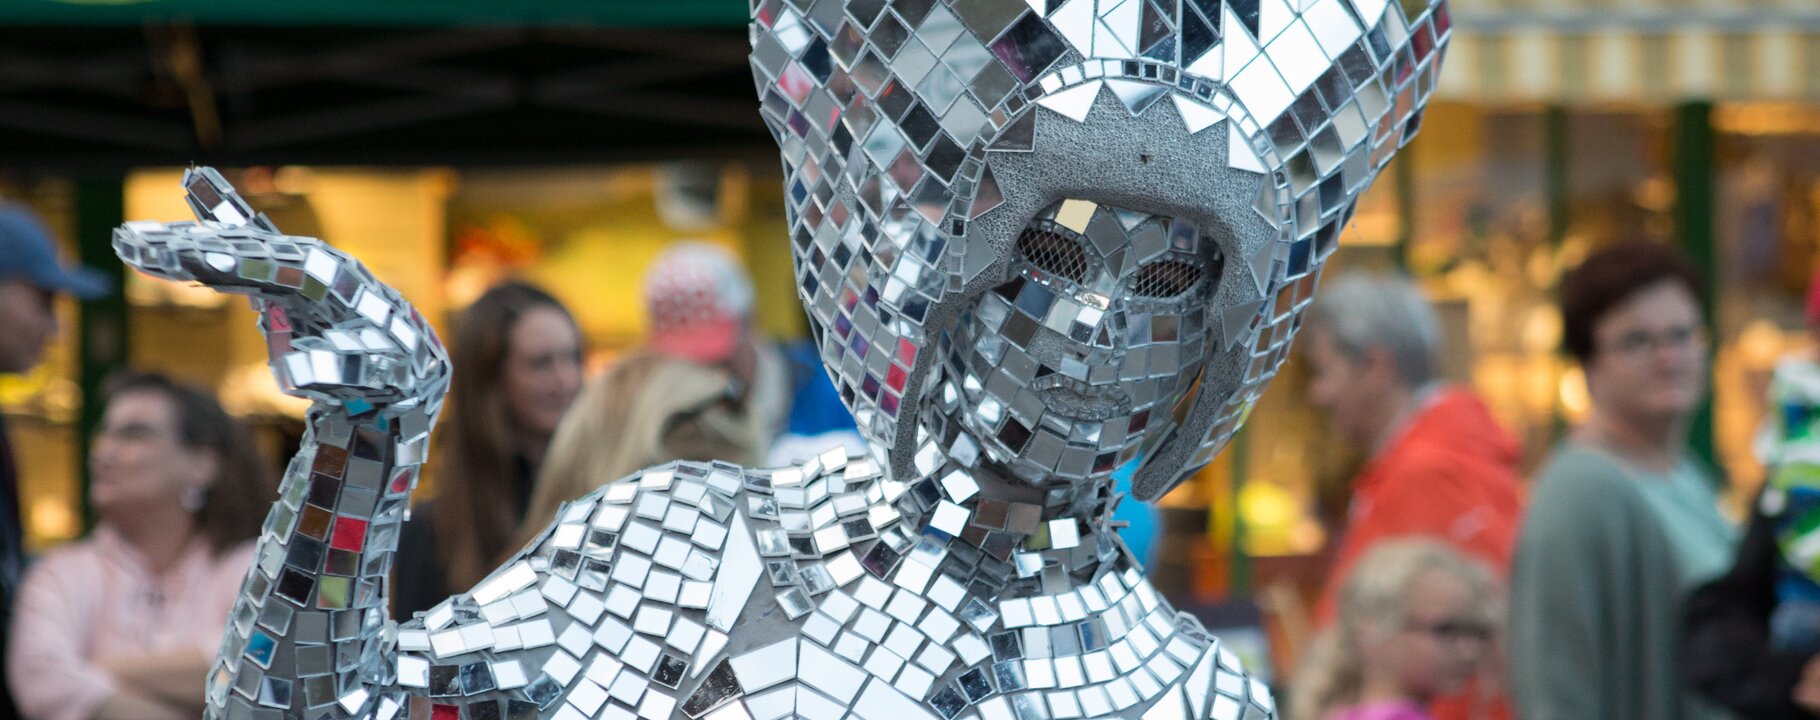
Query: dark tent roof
x,y
599,13
162,93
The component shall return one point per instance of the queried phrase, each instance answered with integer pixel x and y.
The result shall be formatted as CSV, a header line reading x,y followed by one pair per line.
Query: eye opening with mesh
x,y
1166,278
1053,253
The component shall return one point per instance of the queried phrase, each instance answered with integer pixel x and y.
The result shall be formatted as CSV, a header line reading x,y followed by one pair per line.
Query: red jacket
x,y
1452,474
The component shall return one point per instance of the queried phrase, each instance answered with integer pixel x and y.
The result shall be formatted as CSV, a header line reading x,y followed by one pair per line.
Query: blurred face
x,y
138,460
1649,358
1350,390
1441,642
1075,364
543,369
27,323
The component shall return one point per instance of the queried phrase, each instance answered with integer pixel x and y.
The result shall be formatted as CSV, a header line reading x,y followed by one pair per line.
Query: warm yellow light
x,y
53,519
1541,329
1760,343
1576,402
293,180
249,390
1266,504
1273,518
1374,228
1766,118
1655,193
1541,375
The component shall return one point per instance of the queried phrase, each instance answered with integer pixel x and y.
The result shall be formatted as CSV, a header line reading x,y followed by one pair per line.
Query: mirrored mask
x,y
1086,357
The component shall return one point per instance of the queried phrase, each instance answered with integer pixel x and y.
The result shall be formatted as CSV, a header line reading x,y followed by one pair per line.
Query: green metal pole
x,y
101,331
1694,205
1405,173
1558,194
1240,585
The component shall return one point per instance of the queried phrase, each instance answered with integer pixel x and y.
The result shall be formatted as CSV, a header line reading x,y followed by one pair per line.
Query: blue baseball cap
x,y
27,253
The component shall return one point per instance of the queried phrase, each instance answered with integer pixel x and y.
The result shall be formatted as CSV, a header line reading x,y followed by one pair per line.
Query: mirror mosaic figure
x,y
1037,242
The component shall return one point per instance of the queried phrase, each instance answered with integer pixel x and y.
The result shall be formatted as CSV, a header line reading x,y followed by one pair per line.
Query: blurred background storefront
x,y
1557,128
452,144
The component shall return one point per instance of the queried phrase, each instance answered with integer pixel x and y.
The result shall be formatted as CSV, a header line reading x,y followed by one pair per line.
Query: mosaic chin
x,y
1089,356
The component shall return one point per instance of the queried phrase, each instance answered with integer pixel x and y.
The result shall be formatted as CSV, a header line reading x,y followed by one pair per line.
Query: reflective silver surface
x,y
1038,243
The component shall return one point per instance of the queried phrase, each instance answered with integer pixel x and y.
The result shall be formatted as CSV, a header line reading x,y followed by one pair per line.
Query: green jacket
x,y
1599,583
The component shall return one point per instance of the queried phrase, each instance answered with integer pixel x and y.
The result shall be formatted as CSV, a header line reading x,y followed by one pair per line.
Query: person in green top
x,y
1623,521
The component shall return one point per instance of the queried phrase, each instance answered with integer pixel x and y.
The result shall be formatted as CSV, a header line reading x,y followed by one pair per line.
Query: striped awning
x,y
1633,51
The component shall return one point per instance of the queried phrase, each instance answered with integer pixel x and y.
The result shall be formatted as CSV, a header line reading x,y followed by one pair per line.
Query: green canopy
x,y
621,13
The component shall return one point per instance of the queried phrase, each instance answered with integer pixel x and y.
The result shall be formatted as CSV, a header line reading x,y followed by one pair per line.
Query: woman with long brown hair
x,y
516,356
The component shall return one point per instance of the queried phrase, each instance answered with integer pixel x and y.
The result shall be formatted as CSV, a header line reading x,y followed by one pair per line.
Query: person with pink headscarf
x,y
705,385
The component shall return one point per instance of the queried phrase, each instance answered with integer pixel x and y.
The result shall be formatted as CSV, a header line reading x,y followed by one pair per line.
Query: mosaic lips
x,y
1071,398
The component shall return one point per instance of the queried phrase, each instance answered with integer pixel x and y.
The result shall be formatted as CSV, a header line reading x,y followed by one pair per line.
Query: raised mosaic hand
x,y
334,332
309,635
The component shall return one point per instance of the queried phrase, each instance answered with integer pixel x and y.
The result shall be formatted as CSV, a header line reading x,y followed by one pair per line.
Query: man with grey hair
x,y
1439,465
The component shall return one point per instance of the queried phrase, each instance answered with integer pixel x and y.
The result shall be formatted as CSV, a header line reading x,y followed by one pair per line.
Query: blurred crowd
x,y
1608,585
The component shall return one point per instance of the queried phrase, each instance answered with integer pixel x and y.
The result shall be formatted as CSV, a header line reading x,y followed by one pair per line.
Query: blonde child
x,y
1416,621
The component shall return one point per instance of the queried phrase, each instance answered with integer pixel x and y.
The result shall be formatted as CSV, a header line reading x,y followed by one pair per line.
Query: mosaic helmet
x,y
920,138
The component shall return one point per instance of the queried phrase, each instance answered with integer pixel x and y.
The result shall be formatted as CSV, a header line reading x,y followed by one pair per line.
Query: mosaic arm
x,y
309,635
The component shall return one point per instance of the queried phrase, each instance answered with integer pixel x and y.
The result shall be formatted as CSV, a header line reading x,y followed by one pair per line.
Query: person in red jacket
x,y
1440,466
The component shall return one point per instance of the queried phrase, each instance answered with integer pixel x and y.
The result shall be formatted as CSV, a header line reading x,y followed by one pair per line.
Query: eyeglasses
x,y
1452,630
1638,342
130,432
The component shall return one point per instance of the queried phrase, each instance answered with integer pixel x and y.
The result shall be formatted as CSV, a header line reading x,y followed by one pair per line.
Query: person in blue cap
x,y
30,279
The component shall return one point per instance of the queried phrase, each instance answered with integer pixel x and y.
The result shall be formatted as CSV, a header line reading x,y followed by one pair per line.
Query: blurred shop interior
x,y
568,150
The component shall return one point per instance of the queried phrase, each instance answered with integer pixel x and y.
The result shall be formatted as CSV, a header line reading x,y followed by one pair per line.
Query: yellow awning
x,y
1634,51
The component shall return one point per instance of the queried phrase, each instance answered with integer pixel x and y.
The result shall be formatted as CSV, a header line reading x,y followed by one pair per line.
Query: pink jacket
x,y
1389,710
94,599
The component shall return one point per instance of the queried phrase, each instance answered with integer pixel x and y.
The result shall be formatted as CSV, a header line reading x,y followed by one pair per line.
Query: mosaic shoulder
x,y
623,606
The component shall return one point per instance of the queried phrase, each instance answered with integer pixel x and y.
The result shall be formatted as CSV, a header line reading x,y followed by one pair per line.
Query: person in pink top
x,y
123,623
1416,620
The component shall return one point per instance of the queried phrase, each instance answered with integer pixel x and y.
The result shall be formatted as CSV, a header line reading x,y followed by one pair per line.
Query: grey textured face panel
x,y
920,137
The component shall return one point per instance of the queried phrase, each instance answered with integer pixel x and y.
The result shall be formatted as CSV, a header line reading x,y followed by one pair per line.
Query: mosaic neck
x,y
1012,538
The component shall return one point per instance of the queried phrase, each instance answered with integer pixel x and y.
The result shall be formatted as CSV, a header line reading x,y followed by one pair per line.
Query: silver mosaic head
x,y
978,192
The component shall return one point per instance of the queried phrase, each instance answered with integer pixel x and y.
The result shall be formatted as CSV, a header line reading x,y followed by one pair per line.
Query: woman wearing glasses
x,y
121,625
1622,523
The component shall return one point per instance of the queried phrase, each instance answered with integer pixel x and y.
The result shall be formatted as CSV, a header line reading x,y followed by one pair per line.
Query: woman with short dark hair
x,y
1623,521
123,623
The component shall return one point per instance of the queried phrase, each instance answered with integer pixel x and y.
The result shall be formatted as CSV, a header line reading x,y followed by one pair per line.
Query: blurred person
x,y
124,623
1752,636
818,419
1415,621
30,279
1623,521
517,355
704,386
1439,465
